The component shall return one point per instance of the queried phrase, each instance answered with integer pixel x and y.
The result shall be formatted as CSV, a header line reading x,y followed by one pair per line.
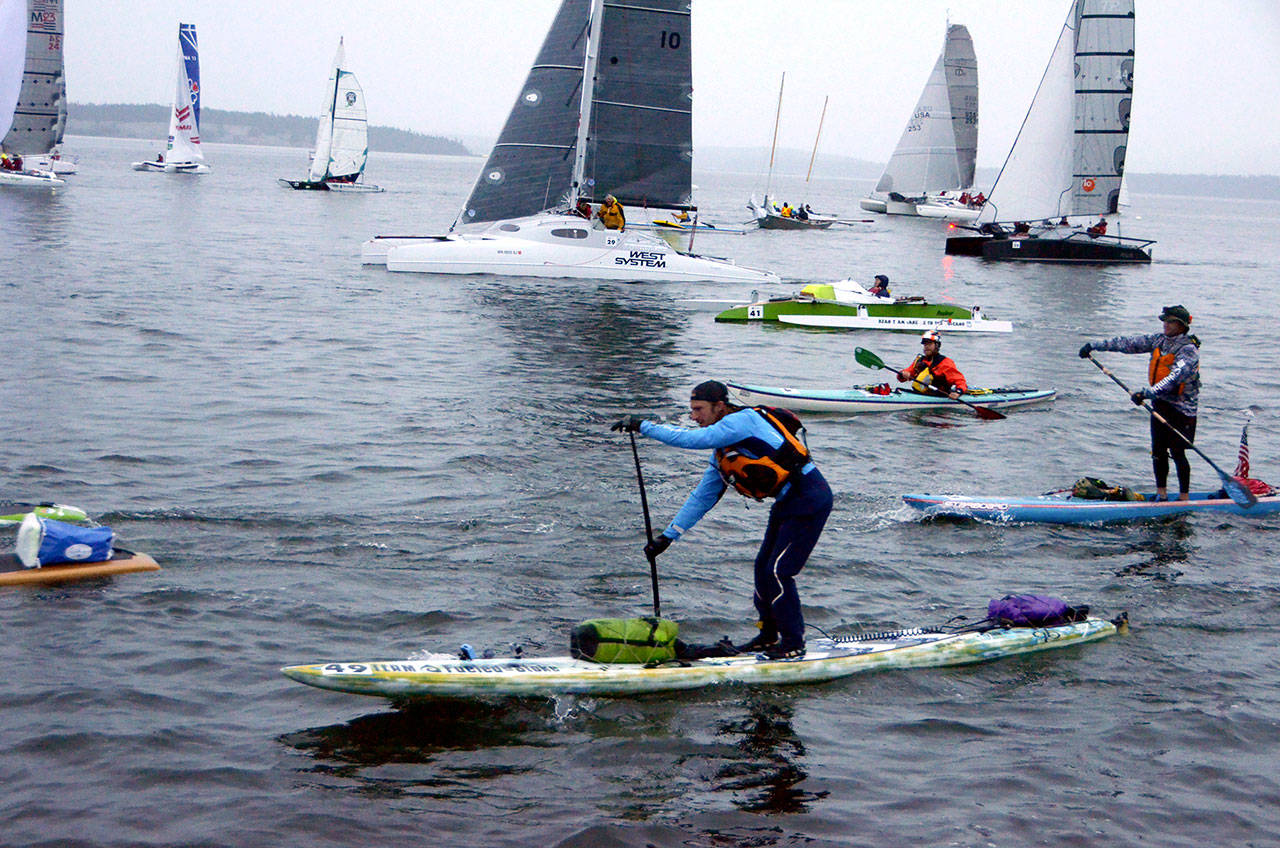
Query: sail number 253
x,y
671,40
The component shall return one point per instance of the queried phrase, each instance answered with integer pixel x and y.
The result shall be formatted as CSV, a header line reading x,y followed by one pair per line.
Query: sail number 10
x,y
670,40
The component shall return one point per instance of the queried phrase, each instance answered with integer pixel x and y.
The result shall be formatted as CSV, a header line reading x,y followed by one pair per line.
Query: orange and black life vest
x,y
764,475
1162,363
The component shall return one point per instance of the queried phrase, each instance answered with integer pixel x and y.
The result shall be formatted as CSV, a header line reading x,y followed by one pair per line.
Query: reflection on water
x,y
415,734
765,773
1166,543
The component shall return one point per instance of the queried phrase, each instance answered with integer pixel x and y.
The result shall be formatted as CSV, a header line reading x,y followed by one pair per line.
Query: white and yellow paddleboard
x,y
825,660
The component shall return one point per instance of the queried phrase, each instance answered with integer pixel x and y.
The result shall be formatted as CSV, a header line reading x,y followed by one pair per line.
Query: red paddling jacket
x,y
939,372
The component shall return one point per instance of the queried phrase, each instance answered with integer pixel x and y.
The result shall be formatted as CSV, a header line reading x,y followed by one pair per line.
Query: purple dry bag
x,y
1034,611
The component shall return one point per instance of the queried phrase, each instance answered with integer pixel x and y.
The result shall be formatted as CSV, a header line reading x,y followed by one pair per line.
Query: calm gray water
x,y
335,462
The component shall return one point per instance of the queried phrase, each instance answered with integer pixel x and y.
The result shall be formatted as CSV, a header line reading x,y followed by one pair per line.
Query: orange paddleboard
x,y
122,562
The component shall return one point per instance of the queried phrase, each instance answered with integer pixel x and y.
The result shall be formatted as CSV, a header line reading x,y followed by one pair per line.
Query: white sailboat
x,y
601,112
768,214
13,56
41,114
342,137
182,154
931,170
1068,158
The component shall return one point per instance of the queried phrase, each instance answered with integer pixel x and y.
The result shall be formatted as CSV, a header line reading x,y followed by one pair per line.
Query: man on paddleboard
x,y
757,451
931,368
1174,374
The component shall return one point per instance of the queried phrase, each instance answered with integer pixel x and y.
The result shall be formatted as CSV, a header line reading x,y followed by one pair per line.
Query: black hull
x,y
1075,248
1062,250
305,185
966,245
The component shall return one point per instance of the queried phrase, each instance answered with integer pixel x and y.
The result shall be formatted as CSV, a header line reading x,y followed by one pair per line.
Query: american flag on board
x,y
1242,458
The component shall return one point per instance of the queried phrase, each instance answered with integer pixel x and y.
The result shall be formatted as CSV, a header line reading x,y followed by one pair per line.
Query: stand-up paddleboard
x,y
1062,508
12,573
826,659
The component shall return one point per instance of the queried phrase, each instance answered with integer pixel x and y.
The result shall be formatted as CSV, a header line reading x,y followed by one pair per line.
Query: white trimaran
x,y
606,109
342,137
933,164
41,116
21,94
182,154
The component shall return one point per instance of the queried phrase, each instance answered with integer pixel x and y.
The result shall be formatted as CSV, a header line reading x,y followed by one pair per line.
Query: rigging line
x,y
643,106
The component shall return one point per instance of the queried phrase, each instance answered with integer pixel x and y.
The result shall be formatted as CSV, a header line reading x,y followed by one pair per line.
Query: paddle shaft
x,y
1228,483
648,529
983,412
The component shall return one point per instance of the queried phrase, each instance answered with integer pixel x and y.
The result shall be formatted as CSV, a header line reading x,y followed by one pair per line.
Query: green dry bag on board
x,y
624,640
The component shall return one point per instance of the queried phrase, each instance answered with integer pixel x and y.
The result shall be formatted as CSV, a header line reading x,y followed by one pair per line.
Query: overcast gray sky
x,y
1207,81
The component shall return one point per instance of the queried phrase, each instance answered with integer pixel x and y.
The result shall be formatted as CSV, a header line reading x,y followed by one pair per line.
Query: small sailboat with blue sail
x,y
182,153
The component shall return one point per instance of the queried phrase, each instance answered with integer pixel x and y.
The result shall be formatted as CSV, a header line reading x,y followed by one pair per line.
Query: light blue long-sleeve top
x,y
734,428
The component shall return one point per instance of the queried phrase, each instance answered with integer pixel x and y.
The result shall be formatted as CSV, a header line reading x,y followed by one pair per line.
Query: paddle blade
x,y
989,414
1237,491
867,358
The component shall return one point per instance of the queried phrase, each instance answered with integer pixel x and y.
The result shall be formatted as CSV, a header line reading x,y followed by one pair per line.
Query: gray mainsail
x,y
1103,98
530,168
40,117
640,139
1068,157
962,90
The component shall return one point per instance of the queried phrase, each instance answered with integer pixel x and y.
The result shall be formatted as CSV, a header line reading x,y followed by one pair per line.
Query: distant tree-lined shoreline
x,y
133,120
144,120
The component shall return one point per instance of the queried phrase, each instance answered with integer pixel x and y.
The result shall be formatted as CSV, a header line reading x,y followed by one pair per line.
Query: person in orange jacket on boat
x,y
931,368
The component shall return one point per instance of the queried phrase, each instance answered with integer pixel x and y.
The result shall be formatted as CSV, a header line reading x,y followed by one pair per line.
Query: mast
x,y
777,119
594,28
333,104
814,155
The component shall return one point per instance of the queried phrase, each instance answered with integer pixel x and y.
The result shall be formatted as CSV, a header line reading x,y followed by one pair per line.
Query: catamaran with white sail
x,y
15,40
342,138
1068,158
931,170
606,109
182,154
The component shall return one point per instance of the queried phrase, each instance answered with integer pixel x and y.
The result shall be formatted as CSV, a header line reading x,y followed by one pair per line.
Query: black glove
x,y
1086,350
1138,397
657,546
629,424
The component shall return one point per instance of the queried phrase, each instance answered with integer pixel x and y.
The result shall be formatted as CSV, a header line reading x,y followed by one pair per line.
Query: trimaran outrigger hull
x,y
551,245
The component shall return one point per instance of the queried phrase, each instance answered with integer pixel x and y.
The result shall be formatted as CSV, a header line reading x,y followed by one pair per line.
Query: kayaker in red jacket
x,y
931,368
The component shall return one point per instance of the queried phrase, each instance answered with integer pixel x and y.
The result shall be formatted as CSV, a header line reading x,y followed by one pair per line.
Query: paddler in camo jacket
x,y
1174,374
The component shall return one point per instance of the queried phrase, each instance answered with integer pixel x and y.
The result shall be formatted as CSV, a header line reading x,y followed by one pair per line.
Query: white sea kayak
x,y
826,659
868,399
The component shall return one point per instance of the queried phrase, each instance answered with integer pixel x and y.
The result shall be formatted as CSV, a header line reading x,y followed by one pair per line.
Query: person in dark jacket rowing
x,y
1174,375
754,450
